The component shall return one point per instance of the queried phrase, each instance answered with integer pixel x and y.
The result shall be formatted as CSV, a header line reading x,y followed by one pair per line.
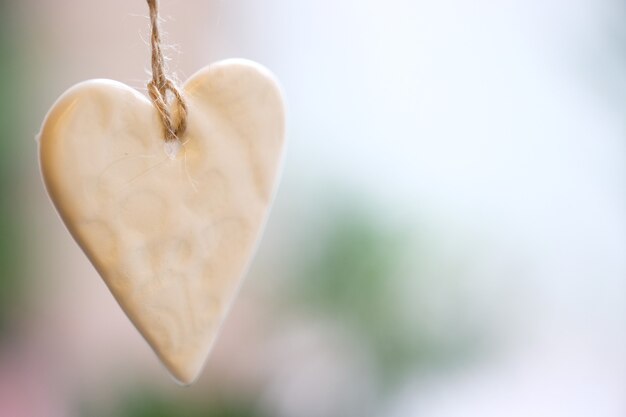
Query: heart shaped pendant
x,y
170,226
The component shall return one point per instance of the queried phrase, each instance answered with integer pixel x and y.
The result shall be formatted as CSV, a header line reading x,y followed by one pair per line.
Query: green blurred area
x,y
11,248
364,261
352,281
146,403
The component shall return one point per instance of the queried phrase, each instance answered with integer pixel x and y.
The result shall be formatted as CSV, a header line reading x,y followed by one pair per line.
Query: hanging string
x,y
160,85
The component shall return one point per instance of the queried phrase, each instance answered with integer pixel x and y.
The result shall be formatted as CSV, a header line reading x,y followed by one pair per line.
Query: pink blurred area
x,y
481,143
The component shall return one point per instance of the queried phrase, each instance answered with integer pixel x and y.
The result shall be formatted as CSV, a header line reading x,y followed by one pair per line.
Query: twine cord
x,y
160,85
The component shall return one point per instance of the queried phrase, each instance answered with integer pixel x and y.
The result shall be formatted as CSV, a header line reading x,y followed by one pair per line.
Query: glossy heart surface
x,y
170,227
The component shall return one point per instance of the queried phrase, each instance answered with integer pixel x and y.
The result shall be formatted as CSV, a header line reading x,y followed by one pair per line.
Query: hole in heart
x,y
172,148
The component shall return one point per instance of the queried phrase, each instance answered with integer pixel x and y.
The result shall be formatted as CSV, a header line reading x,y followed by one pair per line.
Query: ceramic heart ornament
x,y
170,226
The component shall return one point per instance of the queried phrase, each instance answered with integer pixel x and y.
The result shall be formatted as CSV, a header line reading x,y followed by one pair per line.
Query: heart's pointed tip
x,y
184,365
184,382
183,374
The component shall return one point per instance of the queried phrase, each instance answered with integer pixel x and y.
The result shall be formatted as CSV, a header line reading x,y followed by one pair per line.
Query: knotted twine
x,y
159,86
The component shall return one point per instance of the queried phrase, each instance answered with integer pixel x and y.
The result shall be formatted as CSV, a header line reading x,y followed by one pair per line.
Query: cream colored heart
x,y
171,229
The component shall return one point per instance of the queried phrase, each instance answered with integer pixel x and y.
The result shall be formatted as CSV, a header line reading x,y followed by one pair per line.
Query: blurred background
x,y
449,238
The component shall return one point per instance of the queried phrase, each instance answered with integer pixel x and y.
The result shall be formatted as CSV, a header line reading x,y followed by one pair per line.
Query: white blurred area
x,y
497,126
